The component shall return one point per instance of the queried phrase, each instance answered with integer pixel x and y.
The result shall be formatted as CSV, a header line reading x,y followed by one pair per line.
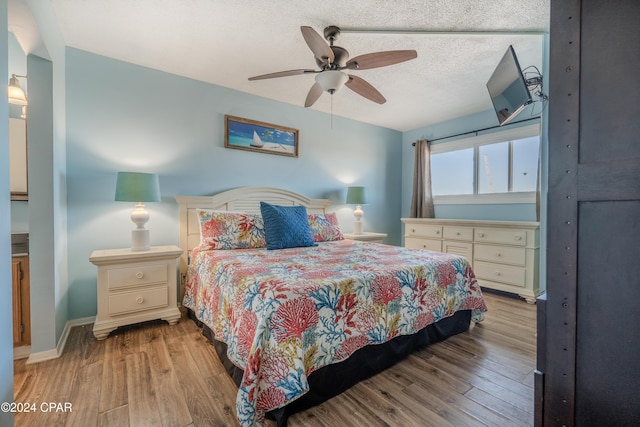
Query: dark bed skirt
x,y
332,380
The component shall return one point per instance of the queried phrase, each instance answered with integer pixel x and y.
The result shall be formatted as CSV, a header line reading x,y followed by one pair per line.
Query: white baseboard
x,y
54,353
21,352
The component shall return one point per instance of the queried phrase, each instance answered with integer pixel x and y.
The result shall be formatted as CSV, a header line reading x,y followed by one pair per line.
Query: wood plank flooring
x,y
153,374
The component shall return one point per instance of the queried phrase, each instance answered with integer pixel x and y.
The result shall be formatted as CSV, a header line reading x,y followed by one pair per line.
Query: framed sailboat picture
x,y
251,135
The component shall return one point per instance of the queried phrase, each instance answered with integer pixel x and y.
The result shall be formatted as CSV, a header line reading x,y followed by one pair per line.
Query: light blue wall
x,y
485,119
122,117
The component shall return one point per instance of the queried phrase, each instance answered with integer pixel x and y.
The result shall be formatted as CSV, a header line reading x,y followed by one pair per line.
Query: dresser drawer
x,y
501,254
500,273
510,237
457,233
141,274
143,299
428,244
424,230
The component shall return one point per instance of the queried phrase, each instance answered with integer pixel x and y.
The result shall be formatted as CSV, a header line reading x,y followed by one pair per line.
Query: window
x,y
444,182
501,167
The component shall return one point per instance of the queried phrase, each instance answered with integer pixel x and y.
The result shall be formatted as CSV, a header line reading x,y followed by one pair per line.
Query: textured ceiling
x,y
225,42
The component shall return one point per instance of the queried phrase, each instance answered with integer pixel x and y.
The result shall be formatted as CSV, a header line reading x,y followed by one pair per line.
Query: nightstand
x,y
366,237
135,286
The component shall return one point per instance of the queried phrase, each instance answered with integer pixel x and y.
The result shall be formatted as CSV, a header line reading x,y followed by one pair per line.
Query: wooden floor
x,y
155,375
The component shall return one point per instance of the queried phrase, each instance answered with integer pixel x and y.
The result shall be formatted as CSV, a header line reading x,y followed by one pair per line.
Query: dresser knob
x,y
518,237
437,231
498,254
139,300
497,273
139,275
481,234
424,246
458,233
413,230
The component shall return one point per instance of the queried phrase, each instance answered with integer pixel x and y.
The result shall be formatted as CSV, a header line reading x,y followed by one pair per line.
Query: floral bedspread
x,y
286,313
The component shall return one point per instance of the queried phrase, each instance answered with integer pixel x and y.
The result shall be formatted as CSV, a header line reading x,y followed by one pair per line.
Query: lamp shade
x,y
137,187
15,92
356,196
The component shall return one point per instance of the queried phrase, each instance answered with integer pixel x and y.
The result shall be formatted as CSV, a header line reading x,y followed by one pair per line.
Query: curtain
x,y
422,200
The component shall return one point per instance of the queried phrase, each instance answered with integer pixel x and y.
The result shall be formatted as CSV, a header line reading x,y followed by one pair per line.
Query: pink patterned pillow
x,y
325,227
230,230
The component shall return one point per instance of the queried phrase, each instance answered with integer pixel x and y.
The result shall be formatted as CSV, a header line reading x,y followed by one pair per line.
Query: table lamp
x,y
138,187
357,196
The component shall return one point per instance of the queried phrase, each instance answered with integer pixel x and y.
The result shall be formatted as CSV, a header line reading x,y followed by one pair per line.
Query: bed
x,y
297,325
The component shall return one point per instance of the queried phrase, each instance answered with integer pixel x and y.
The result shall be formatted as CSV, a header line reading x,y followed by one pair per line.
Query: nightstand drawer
x,y
424,230
500,273
141,274
501,254
143,299
509,237
457,233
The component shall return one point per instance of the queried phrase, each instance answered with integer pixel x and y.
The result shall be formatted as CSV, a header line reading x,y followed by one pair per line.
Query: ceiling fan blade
x,y
380,59
316,43
313,95
282,74
363,88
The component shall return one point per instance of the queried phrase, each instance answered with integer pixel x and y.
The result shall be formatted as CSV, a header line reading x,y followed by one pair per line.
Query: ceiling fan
x,y
332,60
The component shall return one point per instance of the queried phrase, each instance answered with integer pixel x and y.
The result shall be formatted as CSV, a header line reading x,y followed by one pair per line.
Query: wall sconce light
x,y
15,92
138,187
357,196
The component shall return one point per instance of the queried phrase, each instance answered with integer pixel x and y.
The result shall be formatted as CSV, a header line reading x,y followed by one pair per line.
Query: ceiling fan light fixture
x,y
331,80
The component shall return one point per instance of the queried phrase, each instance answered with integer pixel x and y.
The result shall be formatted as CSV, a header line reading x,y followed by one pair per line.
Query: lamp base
x,y
357,225
140,239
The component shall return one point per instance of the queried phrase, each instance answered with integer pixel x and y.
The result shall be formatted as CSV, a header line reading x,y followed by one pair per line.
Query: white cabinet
x,y
503,254
135,286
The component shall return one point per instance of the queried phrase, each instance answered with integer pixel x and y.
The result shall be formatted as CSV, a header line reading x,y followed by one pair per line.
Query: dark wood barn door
x,y
589,337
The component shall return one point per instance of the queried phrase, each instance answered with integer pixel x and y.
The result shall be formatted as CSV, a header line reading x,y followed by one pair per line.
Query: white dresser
x,y
503,254
135,286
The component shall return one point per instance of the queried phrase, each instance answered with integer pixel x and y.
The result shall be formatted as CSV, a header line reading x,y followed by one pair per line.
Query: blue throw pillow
x,y
286,226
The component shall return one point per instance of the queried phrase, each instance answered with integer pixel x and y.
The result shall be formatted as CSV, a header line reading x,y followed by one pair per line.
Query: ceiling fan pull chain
x,y
331,111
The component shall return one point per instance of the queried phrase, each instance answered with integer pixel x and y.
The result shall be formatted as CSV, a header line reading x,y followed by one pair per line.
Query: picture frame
x,y
261,137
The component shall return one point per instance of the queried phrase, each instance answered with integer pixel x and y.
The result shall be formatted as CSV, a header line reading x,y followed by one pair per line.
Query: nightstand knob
x,y
457,233
139,300
497,273
139,275
413,230
437,231
481,234
518,237
498,254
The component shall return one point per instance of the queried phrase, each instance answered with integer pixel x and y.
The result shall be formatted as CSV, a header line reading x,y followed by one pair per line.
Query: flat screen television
x,y
508,88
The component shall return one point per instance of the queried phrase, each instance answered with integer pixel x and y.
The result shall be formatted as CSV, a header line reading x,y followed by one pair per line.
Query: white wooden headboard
x,y
244,199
